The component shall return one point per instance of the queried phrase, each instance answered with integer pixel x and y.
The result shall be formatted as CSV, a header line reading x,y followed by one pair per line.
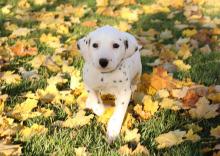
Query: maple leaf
x,y
139,150
128,14
123,26
37,61
191,136
215,97
190,99
8,127
132,135
215,132
78,120
27,133
166,34
50,40
180,93
101,3
2,102
81,151
149,105
170,139
168,103
23,111
106,115
184,51
89,23
163,93
189,32
10,78
23,49
20,32
9,149
181,65
204,109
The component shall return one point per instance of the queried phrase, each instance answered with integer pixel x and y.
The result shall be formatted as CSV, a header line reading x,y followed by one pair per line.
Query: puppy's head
x,y
106,47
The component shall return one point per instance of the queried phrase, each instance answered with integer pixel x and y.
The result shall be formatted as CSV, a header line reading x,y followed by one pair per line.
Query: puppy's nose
x,y
103,62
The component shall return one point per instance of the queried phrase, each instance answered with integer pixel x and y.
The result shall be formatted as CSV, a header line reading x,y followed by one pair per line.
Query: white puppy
x,y
113,66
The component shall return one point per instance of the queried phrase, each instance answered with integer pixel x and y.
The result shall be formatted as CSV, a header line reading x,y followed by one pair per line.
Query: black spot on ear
x,y
136,48
78,47
126,44
89,41
102,79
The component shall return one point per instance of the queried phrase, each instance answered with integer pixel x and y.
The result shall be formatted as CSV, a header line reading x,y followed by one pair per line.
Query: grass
x,y
60,141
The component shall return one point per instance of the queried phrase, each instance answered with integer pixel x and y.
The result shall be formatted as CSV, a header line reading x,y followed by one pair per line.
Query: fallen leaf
x,y
27,133
139,150
10,78
132,135
172,104
204,109
215,97
166,34
150,106
179,93
9,149
170,139
23,49
181,65
191,136
215,132
78,120
163,93
20,32
81,151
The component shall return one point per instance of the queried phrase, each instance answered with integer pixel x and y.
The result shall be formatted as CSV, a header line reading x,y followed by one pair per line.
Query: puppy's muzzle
x,y
103,62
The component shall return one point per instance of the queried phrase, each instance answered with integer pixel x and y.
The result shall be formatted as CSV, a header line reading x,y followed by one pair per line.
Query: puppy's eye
x,y
115,45
95,45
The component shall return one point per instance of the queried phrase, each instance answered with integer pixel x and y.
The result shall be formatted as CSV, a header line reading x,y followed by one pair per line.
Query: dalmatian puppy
x,y
112,66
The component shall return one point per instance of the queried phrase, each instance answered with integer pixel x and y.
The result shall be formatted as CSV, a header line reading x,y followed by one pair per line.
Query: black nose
x,y
103,62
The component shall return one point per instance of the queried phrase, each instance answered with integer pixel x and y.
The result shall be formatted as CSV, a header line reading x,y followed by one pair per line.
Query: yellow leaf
x,y
28,132
128,122
168,103
194,127
20,32
149,105
81,151
106,115
170,139
215,132
132,135
166,34
54,80
215,97
8,127
23,111
78,120
128,14
191,136
50,40
189,32
184,51
123,26
75,81
46,112
180,93
139,150
101,3
9,150
2,102
163,93
81,100
181,65
10,78
37,61
204,109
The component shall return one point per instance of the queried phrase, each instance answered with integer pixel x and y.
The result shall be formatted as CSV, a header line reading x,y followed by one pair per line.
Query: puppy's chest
x,y
105,82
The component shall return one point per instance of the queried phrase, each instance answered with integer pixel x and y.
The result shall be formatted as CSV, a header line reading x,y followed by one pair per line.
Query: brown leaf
x,y
190,99
22,49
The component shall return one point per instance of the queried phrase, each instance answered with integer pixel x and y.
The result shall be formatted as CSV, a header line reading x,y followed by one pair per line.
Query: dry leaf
x,y
215,132
9,149
132,135
170,139
78,120
204,109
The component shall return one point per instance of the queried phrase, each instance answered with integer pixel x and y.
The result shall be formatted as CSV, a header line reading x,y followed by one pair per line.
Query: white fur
x,y
120,76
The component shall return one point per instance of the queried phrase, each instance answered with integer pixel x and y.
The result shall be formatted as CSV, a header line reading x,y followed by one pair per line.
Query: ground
x,y
175,110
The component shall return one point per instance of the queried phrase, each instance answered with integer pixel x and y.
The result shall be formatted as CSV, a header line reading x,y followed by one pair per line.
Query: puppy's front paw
x,y
98,109
113,130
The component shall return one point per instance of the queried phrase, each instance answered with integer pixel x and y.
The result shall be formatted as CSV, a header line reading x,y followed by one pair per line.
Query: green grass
x,y
62,141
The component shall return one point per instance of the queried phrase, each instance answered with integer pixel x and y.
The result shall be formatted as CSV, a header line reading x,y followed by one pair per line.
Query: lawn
x,y
175,110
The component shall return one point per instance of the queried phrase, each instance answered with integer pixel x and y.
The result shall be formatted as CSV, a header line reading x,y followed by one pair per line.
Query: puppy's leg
x,y
115,122
92,102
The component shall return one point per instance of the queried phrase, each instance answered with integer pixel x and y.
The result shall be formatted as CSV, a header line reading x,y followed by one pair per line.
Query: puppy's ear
x,y
131,45
83,47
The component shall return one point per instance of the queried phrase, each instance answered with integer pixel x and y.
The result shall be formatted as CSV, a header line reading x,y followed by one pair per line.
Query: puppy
x,y
113,66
